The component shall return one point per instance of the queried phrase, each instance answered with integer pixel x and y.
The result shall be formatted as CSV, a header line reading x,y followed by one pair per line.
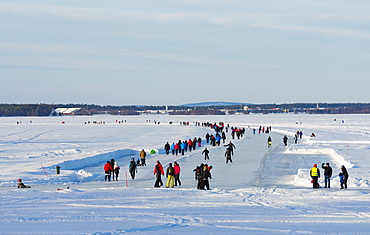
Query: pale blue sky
x,y
175,52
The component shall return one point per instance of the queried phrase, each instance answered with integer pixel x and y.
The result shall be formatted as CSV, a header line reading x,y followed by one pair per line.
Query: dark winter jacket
x,y
206,174
327,170
170,171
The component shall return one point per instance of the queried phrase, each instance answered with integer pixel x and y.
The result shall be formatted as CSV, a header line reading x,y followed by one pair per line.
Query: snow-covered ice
x,y
264,191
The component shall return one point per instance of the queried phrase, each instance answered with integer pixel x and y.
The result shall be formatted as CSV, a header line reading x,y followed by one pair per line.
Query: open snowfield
x,y
264,191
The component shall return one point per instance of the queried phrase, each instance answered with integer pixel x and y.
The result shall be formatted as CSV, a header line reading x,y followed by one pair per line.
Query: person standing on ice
x,y
206,152
116,170
177,169
285,140
158,172
132,168
315,175
142,157
345,175
170,174
112,161
328,171
108,170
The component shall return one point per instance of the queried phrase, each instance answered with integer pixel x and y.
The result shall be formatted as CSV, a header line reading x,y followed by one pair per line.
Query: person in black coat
x,y
167,147
206,152
345,175
206,174
328,171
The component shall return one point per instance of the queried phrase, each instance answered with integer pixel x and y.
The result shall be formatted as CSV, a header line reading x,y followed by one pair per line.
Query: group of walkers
x,y
111,169
202,176
172,175
183,146
328,172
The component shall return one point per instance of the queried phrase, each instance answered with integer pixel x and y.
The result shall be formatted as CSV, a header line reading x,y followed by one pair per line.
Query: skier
x,y
108,170
170,174
158,172
285,140
116,170
167,147
328,171
177,169
345,175
142,157
132,168
206,152
228,156
21,184
315,175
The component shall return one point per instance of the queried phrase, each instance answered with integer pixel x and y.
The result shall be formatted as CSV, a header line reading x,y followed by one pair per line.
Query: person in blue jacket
x,y
173,148
183,147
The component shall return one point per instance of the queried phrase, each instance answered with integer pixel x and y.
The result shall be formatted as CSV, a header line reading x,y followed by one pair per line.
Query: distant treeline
x,y
311,108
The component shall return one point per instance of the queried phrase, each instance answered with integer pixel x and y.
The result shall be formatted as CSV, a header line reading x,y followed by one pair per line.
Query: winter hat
x,y
314,165
327,164
19,180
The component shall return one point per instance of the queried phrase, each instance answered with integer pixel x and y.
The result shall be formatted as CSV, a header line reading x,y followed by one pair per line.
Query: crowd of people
x,y
328,172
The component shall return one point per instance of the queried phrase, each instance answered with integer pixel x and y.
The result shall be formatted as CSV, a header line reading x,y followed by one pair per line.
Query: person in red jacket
x,y
108,170
158,172
176,166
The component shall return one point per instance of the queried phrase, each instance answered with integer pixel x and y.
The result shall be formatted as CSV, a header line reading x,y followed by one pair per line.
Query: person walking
x,y
158,172
269,142
177,169
108,171
328,171
206,175
142,157
206,152
230,146
132,168
116,170
167,147
228,156
170,174
285,140
173,148
315,175
345,175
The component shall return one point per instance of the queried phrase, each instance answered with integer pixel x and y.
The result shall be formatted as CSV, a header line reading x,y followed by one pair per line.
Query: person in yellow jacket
x,y
315,175
170,176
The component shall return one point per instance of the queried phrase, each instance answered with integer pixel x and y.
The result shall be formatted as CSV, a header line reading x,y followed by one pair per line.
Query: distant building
x,y
70,112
